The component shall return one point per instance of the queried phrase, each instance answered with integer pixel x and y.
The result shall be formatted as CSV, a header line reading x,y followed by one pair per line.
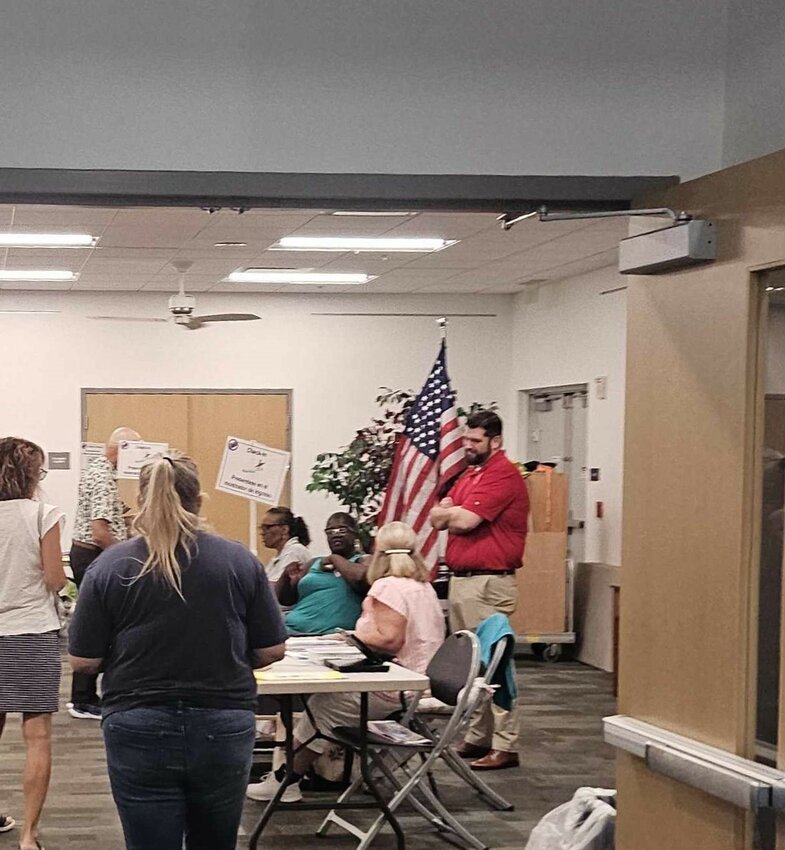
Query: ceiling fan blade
x,y
227,317
126,319
415,315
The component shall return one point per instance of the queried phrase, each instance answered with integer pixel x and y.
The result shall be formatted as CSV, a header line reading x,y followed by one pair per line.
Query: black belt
x,y
470,573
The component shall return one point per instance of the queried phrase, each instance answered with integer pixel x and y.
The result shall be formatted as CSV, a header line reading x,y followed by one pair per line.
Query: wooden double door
x,y
197,422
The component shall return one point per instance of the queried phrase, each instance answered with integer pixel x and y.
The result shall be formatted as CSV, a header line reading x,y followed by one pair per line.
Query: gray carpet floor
x,y
561,749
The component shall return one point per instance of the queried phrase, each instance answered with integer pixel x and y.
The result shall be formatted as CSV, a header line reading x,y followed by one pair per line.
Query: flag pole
x,y
441,540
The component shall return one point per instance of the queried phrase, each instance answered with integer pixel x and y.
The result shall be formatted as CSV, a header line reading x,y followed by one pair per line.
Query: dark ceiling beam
x,y
232,189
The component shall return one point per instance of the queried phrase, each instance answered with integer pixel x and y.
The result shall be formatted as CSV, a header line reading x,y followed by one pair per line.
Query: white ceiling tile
x,y
371,263
102,252
193,251
25,258
216,266
327,289
171,283
140,237
293,259
444,225
80,219
223,286
279,219
255,240
334,225
405,280
464,255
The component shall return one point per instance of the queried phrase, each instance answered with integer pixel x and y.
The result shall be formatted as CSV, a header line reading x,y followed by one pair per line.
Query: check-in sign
x,y
252,470
132,455
90,451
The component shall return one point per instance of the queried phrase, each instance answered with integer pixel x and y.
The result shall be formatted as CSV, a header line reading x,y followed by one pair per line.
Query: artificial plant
x,y
357,474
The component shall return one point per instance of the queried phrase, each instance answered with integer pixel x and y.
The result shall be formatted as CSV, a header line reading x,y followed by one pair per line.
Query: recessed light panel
x,y
35,274
296,276
372,214
360,244
47,240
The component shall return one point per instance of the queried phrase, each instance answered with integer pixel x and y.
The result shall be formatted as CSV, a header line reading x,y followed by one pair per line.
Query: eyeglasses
x,y
338,529
270,525
42,473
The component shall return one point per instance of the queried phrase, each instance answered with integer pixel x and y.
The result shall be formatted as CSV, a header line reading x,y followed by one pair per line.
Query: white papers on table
x,y
318,649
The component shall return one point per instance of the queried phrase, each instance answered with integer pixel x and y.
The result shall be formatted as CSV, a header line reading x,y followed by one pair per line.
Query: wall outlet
x,y
601,386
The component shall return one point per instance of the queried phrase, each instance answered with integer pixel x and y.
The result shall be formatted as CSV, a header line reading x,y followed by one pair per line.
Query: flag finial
x,y
442,323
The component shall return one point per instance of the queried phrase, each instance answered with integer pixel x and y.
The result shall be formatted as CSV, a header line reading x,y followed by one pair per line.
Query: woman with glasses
x,y
327,593
288,535
31,574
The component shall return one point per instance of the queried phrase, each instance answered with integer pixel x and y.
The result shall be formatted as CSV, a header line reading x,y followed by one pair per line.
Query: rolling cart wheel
x,y
552,652
538,650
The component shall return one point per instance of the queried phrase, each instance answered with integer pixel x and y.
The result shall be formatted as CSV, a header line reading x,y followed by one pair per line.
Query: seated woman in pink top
x,y
401,616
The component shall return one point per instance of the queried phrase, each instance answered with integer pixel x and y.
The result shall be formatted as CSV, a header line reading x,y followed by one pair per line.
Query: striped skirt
x,y
29,672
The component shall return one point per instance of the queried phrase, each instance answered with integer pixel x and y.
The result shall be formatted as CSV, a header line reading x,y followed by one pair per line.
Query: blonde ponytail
x,y
169,502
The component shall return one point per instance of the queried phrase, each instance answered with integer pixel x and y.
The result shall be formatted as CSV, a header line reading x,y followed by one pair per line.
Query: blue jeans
x,y
179,772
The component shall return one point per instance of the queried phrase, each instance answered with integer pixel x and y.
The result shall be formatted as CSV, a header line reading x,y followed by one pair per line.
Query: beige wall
x,y
688,526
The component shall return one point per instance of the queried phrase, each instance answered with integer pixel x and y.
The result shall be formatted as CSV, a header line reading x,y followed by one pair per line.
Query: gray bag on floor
x,y
584,823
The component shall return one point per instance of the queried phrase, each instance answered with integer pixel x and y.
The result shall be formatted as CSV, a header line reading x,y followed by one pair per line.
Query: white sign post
x,y
132,455
255,472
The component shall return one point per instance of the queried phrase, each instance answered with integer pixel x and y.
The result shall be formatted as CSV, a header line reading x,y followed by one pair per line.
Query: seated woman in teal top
x,y
327,593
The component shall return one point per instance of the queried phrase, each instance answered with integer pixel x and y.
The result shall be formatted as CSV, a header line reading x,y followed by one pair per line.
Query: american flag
x,y
428,453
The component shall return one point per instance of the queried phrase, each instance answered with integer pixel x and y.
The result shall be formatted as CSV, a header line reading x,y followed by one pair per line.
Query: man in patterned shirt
x,y
99,523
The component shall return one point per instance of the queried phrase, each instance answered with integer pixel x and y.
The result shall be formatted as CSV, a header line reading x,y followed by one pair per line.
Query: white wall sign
x,y
252,470
90,451
132,455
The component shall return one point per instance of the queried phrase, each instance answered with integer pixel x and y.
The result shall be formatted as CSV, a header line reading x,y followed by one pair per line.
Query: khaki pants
x,y
472,599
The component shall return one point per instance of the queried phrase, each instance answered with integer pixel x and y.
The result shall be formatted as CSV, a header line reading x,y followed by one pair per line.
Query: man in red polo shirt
x,y
486,514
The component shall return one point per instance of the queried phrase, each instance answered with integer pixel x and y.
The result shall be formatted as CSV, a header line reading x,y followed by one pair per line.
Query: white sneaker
x,y
85,712
267,788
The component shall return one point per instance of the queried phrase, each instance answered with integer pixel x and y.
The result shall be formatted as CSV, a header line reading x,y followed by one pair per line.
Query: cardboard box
x,y
548,501
542,585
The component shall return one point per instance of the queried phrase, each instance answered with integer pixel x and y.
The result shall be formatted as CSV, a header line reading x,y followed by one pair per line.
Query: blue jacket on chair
x,y
490,631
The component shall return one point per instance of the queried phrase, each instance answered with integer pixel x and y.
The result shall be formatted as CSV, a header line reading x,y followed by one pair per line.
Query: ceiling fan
x,y
182,306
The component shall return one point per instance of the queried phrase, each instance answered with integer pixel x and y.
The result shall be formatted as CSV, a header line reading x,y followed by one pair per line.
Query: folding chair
x,y
453,672
428,709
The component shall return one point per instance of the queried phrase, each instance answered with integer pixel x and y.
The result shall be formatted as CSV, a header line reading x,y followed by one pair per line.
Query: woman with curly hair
x,y
31,574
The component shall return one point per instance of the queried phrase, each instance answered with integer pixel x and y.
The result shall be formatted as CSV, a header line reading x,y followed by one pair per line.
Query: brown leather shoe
x,y
496,760
470,751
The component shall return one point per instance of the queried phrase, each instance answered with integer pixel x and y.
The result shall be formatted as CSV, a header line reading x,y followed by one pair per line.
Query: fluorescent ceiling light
x,y
28,312
295,276
373,213
230,244
354,243
42,274
47,240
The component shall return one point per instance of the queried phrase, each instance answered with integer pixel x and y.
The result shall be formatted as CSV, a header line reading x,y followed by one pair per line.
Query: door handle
x,y
721,782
